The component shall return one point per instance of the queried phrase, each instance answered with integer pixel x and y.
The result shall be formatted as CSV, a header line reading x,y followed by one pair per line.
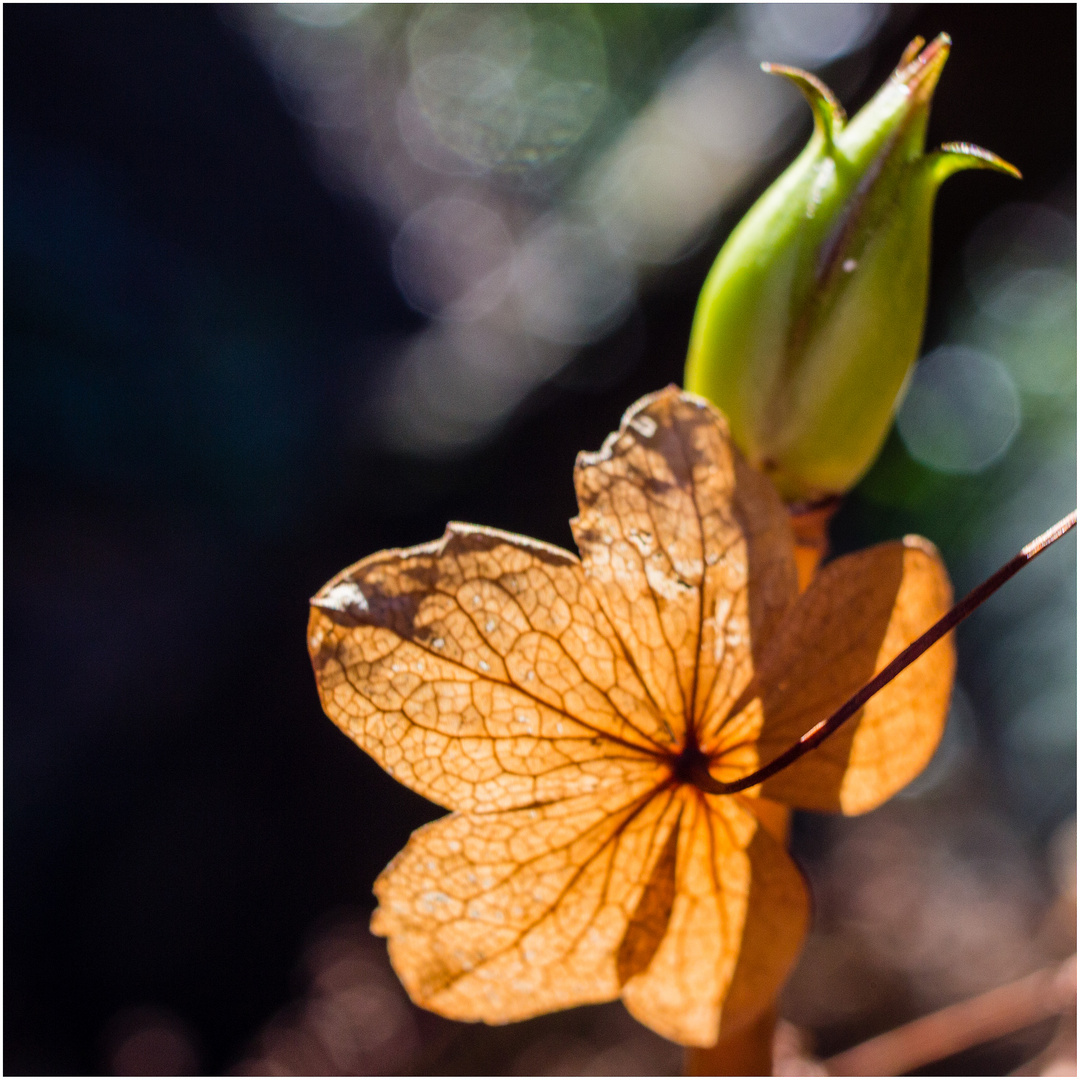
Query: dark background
x,y
185,304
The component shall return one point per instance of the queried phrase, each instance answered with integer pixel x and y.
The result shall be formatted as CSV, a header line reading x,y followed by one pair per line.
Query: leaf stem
x,y
821,731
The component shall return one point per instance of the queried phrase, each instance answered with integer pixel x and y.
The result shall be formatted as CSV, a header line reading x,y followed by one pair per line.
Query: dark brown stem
x,y
820,732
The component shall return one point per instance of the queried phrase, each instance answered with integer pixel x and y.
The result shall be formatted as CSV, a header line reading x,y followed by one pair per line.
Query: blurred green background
x,y
287,284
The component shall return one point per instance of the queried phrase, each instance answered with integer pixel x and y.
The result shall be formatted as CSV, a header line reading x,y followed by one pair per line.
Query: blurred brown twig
x,y
1048,992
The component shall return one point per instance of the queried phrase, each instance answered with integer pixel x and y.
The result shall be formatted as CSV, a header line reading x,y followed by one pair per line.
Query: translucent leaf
x,y
577,716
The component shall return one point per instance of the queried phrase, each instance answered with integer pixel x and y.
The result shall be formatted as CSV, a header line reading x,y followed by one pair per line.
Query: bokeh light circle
x,y
961,411
570,287
1020,269
809,34
446,258
507,87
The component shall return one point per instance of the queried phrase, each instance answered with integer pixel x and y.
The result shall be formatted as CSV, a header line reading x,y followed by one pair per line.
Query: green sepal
x,y
954,157
829,115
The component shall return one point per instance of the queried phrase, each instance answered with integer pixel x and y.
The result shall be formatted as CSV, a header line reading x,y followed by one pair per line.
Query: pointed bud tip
x,y
911,51
920,71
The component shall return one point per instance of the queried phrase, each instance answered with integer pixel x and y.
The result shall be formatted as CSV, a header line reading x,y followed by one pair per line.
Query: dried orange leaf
x,y
859,612
503,916
577,714
738,918
673,526
480,671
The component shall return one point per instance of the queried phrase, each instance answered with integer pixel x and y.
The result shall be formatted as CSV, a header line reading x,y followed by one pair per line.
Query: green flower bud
x,y
811,317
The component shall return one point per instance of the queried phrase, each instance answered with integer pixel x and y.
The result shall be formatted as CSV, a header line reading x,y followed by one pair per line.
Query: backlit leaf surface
x,y
563,707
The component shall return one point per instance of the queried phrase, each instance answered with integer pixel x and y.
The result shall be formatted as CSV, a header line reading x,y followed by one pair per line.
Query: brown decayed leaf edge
x,y
572,712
